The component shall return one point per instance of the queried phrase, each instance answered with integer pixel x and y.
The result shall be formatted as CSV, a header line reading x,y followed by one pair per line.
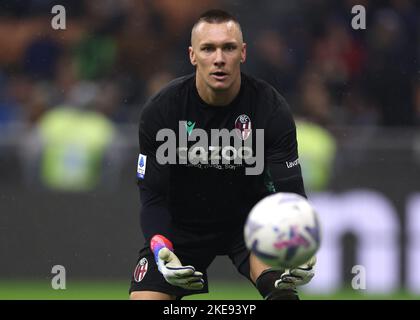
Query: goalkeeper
x,y
191,213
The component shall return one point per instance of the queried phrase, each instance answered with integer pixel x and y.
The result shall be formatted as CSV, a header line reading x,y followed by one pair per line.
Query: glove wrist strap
x,y
265,285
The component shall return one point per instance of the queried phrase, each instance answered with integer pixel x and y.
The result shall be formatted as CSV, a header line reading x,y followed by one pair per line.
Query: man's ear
x,y
192,56
243,53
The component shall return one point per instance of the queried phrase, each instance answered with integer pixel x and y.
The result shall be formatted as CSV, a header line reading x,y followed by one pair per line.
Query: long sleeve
x,y
282,159
152,177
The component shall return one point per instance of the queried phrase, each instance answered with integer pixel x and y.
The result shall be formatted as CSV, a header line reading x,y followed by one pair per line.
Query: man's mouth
x,y
219,75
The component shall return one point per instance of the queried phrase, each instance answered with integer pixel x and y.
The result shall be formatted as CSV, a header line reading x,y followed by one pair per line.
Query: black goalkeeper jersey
x,y
217,191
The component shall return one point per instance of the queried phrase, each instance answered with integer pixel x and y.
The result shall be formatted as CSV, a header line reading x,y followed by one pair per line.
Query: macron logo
x,y
291,164
190,126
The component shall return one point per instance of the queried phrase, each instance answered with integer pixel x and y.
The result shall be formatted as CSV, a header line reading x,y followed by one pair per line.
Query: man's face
x,y
217,50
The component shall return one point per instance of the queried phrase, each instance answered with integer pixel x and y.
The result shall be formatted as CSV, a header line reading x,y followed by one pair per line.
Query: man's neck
x,y
217,98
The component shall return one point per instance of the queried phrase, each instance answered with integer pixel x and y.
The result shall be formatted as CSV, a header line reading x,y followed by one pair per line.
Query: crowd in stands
x,y
113,55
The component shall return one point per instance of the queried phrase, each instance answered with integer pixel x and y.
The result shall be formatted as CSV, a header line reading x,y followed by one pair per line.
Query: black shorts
x,y
196,248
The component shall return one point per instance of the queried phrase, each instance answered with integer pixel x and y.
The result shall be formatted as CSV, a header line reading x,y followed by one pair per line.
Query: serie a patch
x,y
140,270
141,166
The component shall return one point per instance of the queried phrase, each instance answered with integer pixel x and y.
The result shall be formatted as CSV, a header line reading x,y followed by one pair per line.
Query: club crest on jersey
x,y
140,270
243,123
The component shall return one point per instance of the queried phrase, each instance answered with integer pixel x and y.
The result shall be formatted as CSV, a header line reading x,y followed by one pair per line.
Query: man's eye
x,y
230,48
207,49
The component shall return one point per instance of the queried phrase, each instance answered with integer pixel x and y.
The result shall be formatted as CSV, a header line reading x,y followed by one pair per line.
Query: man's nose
x,y
219,59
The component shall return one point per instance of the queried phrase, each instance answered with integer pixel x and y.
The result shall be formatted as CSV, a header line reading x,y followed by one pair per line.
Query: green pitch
x,y
118,290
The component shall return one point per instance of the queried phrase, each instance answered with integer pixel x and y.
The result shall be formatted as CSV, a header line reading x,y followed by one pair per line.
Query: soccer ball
x,y
283,230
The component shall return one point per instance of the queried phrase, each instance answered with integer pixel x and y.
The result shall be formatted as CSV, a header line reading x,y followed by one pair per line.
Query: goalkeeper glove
x,y
296,277
171,268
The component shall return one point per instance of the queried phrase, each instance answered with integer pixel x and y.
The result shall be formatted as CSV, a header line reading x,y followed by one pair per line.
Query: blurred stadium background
x,y
69,105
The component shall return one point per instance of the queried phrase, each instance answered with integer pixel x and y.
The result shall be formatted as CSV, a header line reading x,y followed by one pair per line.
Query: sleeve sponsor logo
x,y
291,164
141,166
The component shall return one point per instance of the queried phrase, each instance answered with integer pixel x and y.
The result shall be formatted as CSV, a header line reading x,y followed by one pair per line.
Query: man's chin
x,y
220,86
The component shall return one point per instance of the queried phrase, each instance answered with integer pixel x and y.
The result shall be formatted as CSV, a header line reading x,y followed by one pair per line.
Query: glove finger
x,y
291,277
304,267
165,254
292,280
186,281
311,262
195,285
280,284
170,266
302,273
181,272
